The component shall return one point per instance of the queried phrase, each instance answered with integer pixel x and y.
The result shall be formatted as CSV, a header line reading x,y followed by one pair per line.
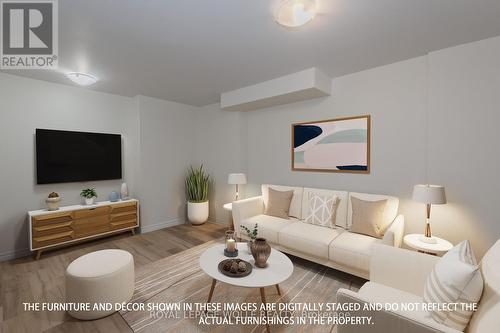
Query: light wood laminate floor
x,y
29,280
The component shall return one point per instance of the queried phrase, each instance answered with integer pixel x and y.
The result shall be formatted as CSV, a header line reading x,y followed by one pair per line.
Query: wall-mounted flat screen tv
x,y
65,156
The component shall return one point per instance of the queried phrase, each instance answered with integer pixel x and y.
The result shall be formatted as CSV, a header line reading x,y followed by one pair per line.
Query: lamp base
x,y
428,240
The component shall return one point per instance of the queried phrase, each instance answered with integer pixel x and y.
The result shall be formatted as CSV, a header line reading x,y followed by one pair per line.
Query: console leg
x,y
38,254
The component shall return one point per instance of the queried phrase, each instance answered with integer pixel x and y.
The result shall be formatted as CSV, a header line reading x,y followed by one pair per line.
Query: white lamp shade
x,y
429,194
236,179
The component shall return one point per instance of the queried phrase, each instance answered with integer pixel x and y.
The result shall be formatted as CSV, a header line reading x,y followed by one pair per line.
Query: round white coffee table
x,y
279,268
440,247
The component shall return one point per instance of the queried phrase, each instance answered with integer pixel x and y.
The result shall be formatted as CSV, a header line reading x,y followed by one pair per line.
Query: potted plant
x,y
53,201
252,234
197,195
89,194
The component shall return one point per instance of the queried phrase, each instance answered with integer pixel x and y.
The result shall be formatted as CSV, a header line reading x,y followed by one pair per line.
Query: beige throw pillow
x,y
322,210
278,203
455,280
368,217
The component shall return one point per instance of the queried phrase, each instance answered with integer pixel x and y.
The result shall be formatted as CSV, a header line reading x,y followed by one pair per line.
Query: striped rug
x,y
179,278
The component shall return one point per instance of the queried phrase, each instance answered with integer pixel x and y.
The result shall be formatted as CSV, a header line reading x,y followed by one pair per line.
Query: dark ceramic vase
x,y
261,250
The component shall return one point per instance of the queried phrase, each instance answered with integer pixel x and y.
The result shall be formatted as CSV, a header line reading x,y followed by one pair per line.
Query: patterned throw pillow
x,y
456,278
322,210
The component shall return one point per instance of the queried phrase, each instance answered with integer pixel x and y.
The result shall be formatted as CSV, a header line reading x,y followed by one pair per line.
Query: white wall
x,y
464,139
452,142
167,143
220,148
26,104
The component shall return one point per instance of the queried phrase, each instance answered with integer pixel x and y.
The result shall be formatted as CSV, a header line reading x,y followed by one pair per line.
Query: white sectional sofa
x,y
337,248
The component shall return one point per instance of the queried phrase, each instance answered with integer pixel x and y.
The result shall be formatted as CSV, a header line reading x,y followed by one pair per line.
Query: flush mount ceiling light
x,y
81,78
295,13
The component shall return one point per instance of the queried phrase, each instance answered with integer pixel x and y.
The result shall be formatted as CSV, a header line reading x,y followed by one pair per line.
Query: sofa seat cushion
x,y
353,250
307,238
267,226
379,293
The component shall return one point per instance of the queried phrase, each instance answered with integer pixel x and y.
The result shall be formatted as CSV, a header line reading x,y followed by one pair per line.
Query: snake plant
x,y
197,182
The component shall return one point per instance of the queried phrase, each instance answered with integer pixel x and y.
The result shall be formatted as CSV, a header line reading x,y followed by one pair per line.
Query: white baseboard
x,y
9,255
161,225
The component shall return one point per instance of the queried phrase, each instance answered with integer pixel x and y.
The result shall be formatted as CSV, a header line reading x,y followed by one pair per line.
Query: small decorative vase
x,y
124,191
53,203
261,251
114,197
89,202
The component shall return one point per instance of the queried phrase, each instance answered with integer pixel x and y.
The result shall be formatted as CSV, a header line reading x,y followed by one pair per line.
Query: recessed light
x,y
82,78
295,13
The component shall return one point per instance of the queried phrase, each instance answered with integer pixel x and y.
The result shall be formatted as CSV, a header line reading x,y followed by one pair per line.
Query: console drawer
x,y
52,218
50,229
124,207
91,226
91,212
53,239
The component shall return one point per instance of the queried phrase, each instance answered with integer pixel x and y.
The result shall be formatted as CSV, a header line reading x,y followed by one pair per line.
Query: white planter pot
x,y
198,212
89,201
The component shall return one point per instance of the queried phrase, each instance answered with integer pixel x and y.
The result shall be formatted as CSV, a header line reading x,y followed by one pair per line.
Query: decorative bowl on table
x,y
235,267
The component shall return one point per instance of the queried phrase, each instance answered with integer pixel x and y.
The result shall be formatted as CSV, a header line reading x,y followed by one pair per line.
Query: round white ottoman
x,y
100,277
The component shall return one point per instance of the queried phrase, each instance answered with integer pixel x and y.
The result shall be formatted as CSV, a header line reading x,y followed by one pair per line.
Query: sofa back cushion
x,y
296,203
341,214
391,209
487,318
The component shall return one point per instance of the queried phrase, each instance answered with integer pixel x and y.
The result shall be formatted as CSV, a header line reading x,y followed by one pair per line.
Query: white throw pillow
x,y
322,210
456,278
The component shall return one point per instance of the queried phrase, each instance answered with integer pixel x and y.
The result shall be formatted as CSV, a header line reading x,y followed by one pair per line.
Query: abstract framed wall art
x,y
335,145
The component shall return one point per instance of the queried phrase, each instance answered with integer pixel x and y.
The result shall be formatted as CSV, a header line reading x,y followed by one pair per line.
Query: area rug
x,y
179,279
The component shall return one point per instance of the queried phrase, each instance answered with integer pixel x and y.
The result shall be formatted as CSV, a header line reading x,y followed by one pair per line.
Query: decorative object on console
x,y
252,235
124,191
53,201
236,179
456,278
429,195
197,184
278,204
114,196
322,210
89,194
230,250
260,252
336,145
368,217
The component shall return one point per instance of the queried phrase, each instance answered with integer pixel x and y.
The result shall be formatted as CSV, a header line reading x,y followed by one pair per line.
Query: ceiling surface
x,y
189,51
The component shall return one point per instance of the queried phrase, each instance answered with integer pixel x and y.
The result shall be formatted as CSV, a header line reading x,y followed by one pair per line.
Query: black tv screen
x,y
65,156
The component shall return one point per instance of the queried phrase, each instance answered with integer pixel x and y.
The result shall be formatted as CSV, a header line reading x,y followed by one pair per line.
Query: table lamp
x,y
236,179
429,195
